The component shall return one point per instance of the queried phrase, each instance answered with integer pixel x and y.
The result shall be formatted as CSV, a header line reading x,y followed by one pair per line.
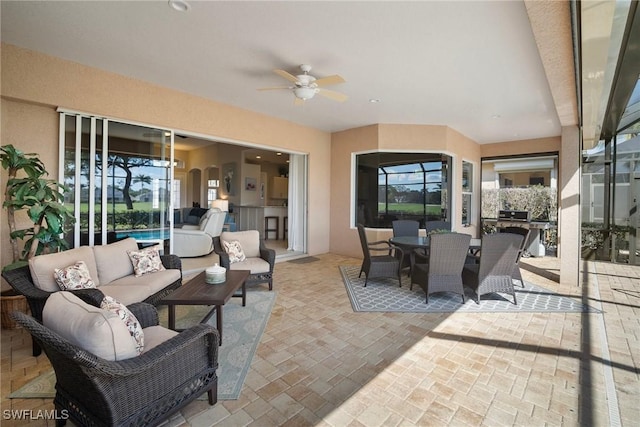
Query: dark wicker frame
x,y
379,265
524,232
269,255
143,390
498,255
443,272
21,281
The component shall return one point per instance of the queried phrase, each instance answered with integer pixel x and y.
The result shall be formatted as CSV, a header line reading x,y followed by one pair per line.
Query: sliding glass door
x,y
120,178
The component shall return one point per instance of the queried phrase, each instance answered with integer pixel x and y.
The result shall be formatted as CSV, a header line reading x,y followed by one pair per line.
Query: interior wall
x,y
30,77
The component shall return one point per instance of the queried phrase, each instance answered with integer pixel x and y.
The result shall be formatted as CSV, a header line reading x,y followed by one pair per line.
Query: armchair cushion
x,y
156,335
98,331
249,241
73,277
42,266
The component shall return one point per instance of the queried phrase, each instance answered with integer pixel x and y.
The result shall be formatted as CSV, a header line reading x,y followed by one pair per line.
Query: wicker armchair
x,y
260,259
524,232
21,281
387,265
498,255
443,271
143,390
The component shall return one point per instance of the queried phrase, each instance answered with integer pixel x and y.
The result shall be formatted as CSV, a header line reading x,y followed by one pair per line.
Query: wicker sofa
x,y
135,391
109,267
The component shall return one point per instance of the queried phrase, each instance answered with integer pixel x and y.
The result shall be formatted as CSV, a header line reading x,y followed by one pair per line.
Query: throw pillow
x,y
146,261
74,277
129,319
234,249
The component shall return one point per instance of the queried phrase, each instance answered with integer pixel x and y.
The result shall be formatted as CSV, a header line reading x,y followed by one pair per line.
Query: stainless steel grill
x,y
515,218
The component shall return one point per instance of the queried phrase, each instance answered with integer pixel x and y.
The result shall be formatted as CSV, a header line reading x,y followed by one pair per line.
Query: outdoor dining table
x,y
422,242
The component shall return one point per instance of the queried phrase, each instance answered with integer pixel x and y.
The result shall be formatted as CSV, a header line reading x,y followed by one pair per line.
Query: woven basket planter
x,y
10,301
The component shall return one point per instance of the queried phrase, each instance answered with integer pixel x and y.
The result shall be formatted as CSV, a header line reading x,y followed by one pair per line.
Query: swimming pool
x,y
142,235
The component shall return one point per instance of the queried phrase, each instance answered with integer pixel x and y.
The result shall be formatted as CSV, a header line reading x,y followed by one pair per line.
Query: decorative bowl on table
x,y
215,274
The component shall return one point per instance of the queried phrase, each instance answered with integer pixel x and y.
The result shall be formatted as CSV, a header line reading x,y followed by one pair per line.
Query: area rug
x,y
384,295
243,328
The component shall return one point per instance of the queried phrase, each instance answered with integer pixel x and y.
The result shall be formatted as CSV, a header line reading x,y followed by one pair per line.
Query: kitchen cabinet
x,y
279,187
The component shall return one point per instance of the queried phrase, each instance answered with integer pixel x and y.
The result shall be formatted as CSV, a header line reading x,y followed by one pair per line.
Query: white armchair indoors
x,y
197,240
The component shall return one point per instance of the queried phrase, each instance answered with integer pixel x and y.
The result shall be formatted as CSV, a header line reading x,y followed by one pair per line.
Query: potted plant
x,y
42,198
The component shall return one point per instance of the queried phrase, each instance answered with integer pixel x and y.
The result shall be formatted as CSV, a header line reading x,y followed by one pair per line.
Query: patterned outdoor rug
x,y
384,295
243,328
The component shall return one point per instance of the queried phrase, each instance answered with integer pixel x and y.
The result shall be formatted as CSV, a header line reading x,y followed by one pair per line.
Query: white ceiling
x,y
470,65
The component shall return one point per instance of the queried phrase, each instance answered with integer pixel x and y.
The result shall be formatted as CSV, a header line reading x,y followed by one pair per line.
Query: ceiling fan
x,y
305,86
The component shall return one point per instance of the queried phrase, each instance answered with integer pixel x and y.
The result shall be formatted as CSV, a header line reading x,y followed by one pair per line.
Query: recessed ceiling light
x,y
374,100
278,154
179,5
496,116
287,161
258,157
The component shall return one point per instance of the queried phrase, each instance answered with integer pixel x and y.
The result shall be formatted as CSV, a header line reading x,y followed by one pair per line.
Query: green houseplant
x,y
27,189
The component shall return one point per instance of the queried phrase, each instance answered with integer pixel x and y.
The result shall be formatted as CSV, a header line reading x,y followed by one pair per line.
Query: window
x,y
467,191
394,186
212,190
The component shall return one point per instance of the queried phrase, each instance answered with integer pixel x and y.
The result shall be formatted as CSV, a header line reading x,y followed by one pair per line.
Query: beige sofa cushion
x,y
256,265
249,240
97,331
130,289
42,266
112,260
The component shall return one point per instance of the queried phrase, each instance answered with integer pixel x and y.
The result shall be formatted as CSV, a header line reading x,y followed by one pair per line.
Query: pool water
x,y
153,234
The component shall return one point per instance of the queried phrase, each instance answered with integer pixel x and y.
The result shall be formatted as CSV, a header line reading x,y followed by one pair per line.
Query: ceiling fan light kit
x,y
305,86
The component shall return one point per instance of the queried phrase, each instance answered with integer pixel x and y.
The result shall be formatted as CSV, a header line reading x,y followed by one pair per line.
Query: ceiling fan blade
x,y
330,80
331,94
274,88
286,75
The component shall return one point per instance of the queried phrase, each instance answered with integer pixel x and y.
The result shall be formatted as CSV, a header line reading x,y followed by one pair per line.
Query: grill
x,y
519,216
514,218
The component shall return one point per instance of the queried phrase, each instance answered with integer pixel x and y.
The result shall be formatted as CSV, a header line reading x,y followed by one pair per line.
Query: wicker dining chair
x,y
443,270
387,265
524,232
498,255
407,227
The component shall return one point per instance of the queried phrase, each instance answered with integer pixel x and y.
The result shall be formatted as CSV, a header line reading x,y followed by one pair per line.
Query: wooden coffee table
x,y
198,292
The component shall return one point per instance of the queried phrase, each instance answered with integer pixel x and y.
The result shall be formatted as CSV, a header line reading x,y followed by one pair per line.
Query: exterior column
x,y
569,207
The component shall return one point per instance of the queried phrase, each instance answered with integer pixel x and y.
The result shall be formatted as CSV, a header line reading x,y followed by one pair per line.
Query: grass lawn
x,y
411,208
122,207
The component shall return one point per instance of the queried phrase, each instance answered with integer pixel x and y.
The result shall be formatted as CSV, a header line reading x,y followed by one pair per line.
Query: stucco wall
x,y
33,85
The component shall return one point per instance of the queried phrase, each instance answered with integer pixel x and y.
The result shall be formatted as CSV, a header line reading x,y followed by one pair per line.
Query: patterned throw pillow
x,y
234,249
74,277
146,261
129,319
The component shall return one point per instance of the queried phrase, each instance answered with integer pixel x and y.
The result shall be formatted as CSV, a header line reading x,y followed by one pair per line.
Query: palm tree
x,y
142,180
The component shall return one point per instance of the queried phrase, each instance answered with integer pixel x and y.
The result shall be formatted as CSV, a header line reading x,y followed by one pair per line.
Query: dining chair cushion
x,y
98,331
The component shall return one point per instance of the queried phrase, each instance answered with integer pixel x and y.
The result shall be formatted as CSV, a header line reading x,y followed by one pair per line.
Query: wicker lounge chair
x,y
143,390
524,232
443,271
387,265
498,255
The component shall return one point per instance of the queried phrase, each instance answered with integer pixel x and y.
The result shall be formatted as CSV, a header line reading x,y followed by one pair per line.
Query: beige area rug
x,y
243,328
